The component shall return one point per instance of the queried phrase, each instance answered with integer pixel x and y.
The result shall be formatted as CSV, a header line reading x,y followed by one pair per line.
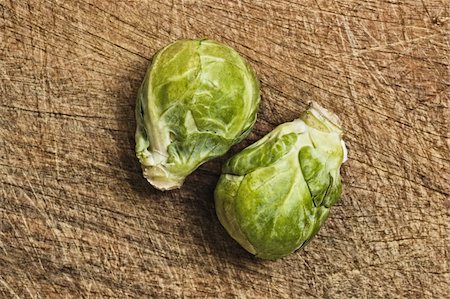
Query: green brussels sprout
x,y
273,196
198,98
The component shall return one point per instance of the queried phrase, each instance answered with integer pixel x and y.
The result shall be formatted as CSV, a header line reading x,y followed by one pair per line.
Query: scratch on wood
x,y
11,291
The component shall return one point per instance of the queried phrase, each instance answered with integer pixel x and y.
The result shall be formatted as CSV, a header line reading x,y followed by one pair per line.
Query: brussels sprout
x,y
273,196
198,98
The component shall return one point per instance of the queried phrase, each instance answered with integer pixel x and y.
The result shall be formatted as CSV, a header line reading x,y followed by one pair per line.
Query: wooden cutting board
x,y
77,219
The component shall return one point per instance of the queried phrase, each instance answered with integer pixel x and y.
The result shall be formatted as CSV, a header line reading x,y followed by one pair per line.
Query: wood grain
x,y
78,220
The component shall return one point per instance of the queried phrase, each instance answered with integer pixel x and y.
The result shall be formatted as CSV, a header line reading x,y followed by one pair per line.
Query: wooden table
x,y
77,219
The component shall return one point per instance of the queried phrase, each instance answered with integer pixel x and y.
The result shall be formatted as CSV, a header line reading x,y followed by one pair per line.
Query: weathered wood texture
x,y
78,220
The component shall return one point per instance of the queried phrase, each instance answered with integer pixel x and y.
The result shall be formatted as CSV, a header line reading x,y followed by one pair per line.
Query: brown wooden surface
x,y
77,219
